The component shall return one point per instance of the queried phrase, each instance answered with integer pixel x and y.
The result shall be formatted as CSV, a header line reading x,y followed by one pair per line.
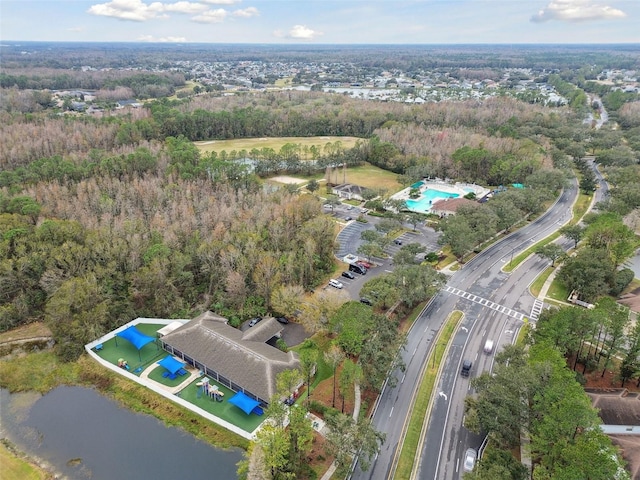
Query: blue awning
x,y
244,402
171,364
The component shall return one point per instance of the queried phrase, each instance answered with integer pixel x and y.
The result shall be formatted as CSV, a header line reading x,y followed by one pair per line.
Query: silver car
x,y
469,460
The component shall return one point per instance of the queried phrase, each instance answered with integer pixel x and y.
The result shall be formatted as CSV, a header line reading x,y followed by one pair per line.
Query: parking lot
x,y
349,240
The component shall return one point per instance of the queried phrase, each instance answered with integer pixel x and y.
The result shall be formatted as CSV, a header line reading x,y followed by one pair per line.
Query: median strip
x,y
423,400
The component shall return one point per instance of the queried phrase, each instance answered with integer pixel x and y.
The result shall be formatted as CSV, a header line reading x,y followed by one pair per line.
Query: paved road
x,y
494,304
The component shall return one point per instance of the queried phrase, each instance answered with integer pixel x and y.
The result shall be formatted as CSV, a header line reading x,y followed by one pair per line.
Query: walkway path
x,y
192,376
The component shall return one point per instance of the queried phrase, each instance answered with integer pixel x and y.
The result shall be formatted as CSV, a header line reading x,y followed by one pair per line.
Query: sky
x,y
323,21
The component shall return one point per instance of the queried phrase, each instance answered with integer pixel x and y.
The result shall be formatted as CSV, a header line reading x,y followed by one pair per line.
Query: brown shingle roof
x,y
450,205
242,357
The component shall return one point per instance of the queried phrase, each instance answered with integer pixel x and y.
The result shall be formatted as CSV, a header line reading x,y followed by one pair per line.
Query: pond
x,y
81,434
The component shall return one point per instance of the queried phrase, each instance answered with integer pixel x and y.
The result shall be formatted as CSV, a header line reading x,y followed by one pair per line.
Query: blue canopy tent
x,y
171,365
136,337
245,403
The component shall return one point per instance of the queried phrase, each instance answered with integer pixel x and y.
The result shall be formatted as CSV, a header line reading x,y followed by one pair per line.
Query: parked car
x,y
366,301
349,207
348,274
470,460
335,283
254,321
348,219
282,320
364,264
397,241
358,269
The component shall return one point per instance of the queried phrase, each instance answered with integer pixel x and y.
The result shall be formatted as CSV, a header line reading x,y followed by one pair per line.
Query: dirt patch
x,y
287,179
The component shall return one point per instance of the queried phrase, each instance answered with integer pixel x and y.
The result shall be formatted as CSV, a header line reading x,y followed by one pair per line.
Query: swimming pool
x,y
429,196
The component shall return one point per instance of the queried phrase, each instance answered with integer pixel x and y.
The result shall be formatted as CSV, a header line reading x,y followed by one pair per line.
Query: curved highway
x,y
495,304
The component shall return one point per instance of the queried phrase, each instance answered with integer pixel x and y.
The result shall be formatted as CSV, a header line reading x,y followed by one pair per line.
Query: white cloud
x,y
138,11
211,16
576,11
184,7
246,12
151,38
221,2
302,32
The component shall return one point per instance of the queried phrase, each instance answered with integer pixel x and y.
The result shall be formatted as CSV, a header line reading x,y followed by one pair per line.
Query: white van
x,y
488,347
335,283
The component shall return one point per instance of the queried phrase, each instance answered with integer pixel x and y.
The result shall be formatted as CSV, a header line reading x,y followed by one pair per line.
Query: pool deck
x,y
458,188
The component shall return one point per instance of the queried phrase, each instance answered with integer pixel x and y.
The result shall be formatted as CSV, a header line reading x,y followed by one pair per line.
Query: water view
x,y
84,435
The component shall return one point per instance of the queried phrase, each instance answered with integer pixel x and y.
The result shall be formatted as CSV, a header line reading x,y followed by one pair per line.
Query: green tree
x,y
458,234
300,439
313,185
551,251
333,357
590,273
76,313
630,365
273,442
573,232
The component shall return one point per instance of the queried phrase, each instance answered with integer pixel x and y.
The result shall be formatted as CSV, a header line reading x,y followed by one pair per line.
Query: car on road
x,y
348,274
348,219
488,347
335,283
254,321
469,460
466,368
282,320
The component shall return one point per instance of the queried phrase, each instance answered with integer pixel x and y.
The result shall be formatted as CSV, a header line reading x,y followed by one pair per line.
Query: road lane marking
x,y
535,312
391,412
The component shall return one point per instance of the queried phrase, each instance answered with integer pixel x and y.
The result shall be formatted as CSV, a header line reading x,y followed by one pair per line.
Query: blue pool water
x,y
429,196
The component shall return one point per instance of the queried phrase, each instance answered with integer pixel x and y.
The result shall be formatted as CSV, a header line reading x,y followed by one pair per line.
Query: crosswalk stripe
x,y
535,311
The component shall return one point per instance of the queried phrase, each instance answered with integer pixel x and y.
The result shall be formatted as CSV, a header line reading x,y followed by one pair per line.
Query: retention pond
x,y
81,434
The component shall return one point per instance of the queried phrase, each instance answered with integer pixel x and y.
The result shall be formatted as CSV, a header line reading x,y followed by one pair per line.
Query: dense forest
x,y
114,215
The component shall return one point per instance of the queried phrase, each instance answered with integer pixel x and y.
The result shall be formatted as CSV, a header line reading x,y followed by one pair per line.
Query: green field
x,y
275,143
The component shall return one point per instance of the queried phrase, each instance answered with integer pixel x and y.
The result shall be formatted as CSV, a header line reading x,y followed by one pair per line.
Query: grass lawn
x,y
557,291
375,178
14,468
224,409
148,354
156,376
275,143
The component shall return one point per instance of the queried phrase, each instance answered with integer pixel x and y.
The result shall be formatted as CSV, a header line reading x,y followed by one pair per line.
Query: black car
x,y
254,321
282,320
366,301
348,274
397,242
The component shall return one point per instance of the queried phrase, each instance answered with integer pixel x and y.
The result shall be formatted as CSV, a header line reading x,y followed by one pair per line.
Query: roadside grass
x,y
557,291
42,372
537,284
276,143
421,409
522,334
13,467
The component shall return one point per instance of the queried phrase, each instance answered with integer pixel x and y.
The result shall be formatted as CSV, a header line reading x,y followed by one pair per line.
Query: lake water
x,y
84,435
